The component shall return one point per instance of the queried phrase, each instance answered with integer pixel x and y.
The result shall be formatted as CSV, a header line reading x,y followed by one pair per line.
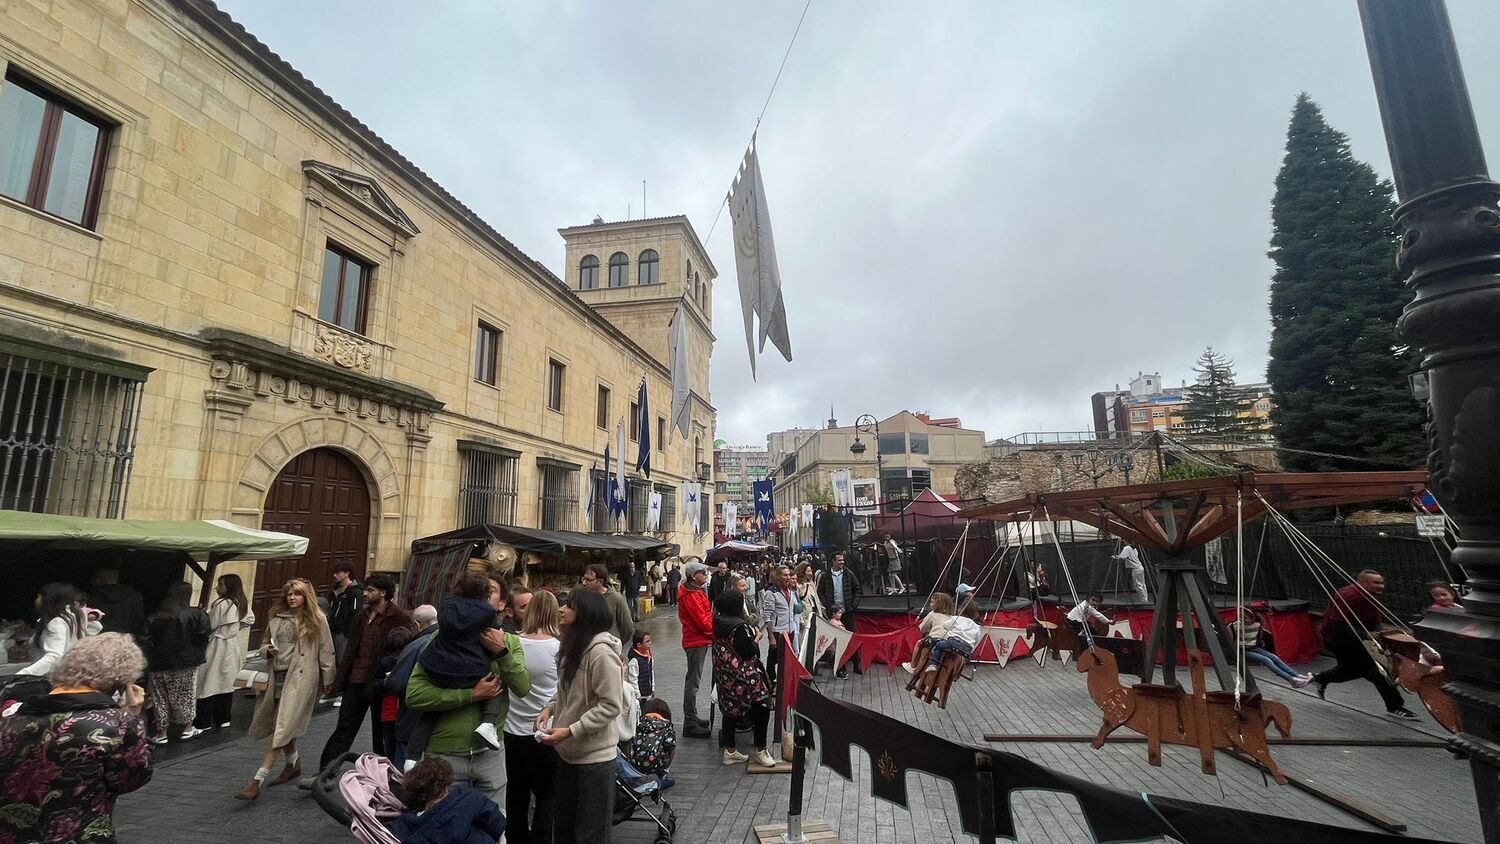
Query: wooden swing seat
x,y
930,685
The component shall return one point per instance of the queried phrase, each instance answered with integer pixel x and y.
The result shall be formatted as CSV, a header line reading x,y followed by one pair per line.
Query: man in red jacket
x,y
1352,617
697,619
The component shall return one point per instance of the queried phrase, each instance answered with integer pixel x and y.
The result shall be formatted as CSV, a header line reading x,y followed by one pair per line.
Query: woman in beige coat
x,y
299,650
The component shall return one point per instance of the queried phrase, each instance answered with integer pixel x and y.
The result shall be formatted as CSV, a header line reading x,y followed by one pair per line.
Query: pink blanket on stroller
x,y
367,790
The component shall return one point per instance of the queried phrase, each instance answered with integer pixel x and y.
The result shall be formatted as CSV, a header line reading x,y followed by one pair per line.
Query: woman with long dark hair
x,y
59,626
580,721
176,639
740,676
299,654
228,615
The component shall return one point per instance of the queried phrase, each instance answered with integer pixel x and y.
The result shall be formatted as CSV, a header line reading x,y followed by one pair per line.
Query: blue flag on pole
x,y
765,509
643,457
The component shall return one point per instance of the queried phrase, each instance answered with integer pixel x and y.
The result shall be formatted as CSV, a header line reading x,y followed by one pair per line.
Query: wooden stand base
x,y
781,768
818,831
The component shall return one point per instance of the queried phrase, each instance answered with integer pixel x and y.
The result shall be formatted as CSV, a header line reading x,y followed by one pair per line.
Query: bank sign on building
x,y
224,297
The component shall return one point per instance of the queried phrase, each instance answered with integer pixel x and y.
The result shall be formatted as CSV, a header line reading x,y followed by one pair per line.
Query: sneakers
x,y
907,667
842,674
486,733
762,759
734,757
1404,714
190,733
1302,680
157,739
224,726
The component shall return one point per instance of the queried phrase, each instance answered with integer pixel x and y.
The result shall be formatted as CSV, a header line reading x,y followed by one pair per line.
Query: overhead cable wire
x,y
764,106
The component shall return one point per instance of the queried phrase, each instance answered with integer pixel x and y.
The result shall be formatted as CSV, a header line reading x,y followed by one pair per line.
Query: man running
x,y
1351,619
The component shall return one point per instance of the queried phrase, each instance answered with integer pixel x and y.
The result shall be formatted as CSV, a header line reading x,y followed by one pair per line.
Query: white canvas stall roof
x,y
198,539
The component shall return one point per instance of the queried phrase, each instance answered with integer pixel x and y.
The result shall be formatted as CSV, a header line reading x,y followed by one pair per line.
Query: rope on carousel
x,y
1088,635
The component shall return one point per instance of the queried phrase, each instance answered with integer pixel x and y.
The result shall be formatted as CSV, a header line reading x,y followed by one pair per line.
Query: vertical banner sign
x,y
843,496
807,514
765,508
617,504
691,492
588,495
755,260
677,354
653,515
731,512
643,433
1213,560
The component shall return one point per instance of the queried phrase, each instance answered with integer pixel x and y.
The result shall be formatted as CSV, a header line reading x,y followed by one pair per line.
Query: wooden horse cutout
x,y
1424,681
1167,714
1057,641
928,685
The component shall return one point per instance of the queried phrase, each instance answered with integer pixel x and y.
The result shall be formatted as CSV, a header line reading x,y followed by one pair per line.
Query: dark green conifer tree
x,y
1338,370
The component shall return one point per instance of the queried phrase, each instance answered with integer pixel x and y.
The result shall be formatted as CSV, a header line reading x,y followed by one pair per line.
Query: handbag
x,y
253,673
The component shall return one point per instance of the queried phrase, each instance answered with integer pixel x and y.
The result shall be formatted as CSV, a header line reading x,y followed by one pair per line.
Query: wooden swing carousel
x,y
1175,518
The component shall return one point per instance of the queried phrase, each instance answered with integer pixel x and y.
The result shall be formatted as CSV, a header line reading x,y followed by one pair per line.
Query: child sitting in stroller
x,y
655,742
439,812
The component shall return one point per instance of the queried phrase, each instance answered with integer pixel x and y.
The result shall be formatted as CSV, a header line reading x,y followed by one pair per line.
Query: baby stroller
x,y
364,800
634,790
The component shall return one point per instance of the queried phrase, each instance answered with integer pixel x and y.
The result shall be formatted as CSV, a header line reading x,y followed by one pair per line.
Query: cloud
x,y
989,209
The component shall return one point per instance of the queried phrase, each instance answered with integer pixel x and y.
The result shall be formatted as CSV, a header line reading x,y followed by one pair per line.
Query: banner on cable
x,y
692,495
653,512
731,518
755,260
765,507
843,488
677,355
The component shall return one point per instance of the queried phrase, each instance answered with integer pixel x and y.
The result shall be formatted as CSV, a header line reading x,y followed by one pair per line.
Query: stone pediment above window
x,y
364,193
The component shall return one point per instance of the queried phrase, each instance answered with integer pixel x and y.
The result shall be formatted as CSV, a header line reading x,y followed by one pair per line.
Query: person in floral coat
x,y
66,756
744,688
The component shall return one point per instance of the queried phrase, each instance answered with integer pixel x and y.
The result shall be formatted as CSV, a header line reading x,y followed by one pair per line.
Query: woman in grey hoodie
x,y
580,721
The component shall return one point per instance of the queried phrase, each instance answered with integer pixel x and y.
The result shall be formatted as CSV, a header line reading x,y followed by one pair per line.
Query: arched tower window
x,y
650,268
619,269
588,273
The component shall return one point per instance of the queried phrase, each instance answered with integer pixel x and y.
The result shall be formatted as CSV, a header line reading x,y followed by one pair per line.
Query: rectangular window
x,y
634,422
601,408
895,486
661,434
67,436
486,486
638,500
668,509
599,519
559,502
1137,416
556,371
892,443
920,479
1158,414
487,354
346,290
51,152
918,443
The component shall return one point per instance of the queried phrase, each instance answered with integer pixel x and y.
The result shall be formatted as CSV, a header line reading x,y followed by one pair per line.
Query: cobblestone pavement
x,y
190,799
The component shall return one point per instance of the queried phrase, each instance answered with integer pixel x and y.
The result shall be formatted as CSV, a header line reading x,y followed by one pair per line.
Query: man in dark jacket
x,y
425,618
359,670
674,577
630,586
718,581
839,587
123,609
344,602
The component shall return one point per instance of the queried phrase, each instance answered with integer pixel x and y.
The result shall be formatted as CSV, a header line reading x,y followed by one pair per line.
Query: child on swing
x,y
961,636
933,627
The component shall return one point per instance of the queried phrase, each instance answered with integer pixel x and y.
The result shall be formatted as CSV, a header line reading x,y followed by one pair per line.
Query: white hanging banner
x,y
653,515
843,494
755,260
692,494
807,514
731,523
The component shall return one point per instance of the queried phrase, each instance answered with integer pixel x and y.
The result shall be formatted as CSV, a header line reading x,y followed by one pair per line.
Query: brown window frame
x,y
487,354
556,373
661,434
635,422
601,408
346,258
46,151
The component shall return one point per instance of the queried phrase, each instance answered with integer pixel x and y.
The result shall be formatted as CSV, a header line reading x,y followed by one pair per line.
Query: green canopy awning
x,y
199,539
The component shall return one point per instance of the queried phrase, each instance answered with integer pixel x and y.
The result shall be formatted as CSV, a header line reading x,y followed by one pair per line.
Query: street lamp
x,y
1101,464
1450,231
867,424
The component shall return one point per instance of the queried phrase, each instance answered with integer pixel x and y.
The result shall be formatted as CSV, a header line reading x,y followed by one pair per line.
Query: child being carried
x,y
457,659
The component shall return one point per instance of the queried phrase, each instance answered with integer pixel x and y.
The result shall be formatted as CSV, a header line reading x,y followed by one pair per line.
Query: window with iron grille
x,y
559,501
67,435
668,508
486,485
638,499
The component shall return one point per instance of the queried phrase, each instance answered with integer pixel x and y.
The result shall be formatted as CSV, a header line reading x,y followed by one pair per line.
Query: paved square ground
x,y
191,797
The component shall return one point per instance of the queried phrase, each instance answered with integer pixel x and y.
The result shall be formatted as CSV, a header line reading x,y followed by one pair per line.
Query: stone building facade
x,y
276,319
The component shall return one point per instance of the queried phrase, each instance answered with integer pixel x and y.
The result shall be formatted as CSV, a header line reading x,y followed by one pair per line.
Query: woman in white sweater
x,y
60,625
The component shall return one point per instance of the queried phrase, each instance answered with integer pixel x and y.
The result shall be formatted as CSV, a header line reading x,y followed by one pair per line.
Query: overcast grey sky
x,y
988,210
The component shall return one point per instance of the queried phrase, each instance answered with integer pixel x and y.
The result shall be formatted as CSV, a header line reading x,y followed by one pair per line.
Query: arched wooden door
x,y
321,495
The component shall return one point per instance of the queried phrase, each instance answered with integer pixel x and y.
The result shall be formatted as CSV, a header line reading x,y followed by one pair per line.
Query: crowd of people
x,y
504,707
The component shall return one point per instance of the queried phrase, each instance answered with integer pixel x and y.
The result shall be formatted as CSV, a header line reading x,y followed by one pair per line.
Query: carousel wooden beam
x,y
1179,541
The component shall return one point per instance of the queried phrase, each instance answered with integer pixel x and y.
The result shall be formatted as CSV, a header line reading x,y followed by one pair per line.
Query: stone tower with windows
x,y
633,273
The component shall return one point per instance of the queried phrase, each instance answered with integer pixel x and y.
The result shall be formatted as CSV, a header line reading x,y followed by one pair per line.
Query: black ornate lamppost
x,y
1449,220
